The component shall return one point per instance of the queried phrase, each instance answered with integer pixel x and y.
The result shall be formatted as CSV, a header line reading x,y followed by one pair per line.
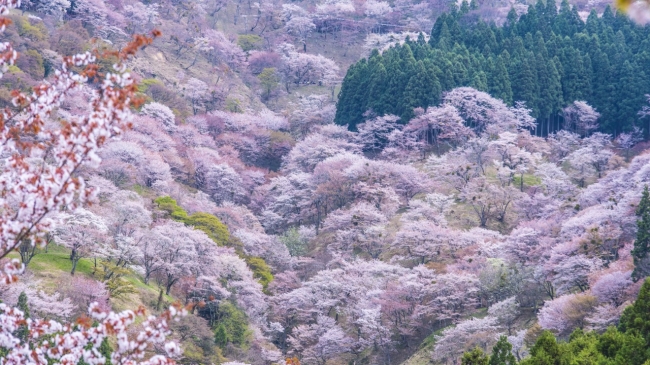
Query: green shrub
x,y
249,42
35,32
231,326
261,270
169,205
234,106
145,84
211,225
296,245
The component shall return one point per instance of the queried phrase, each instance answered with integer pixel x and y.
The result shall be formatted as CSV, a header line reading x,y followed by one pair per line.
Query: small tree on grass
x,y
269,80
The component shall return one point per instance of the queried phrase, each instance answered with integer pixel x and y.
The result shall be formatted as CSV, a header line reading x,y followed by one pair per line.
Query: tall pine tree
x,y
502,353
642,242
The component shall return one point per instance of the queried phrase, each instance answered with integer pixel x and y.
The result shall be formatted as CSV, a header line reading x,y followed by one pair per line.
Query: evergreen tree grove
x,y
627,344
545,58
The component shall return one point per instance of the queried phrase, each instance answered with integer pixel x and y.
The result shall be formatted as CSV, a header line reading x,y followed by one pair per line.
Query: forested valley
x,y
324,182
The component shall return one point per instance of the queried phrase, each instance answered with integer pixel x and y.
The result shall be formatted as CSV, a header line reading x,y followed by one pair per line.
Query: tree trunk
x,y
74,266
160,299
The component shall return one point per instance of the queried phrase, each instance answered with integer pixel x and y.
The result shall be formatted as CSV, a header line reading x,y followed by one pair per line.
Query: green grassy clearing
x,y
57,259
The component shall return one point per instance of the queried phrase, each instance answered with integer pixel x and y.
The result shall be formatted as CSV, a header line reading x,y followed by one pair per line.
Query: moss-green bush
x,y
145,84
231,326
261,271
169,205
249,42
211,225
35,32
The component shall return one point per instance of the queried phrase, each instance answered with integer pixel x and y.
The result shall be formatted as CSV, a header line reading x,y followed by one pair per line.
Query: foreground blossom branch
x,y
70,344
40,160
38,172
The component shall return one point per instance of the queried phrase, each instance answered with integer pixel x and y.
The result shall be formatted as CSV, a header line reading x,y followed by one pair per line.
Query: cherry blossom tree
x,y
300,27
566,312
320,341
223,183
300,68
488,201
439,125
81,232
175,252
572,271
197,92
423,239
85,291
307,153
383,41
506,312
612,288
604,316
627,140
453,342
591,158
556,182
562,143
377,9
487,114
354,227
56,7
162,114
373,134
141,15
374,333
581,118
106,22
512,160
41,304
289,203
518,344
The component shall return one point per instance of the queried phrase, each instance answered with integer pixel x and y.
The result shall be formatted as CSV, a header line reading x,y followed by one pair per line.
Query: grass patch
x,y
57,258
529,180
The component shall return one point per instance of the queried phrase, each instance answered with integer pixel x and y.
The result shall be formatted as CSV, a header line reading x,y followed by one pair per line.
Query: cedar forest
x,y
325,182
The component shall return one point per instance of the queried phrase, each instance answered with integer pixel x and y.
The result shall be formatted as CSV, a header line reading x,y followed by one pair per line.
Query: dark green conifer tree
x,y
474,357
636,318
502,353
221,337
642,242
546,351
23,332
524,83
499,82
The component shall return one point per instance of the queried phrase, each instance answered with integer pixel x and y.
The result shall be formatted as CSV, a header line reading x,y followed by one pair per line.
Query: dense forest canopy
x,y
547,58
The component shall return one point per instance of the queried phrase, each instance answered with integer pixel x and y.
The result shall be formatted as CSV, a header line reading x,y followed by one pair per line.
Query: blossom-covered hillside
x,y
187,164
